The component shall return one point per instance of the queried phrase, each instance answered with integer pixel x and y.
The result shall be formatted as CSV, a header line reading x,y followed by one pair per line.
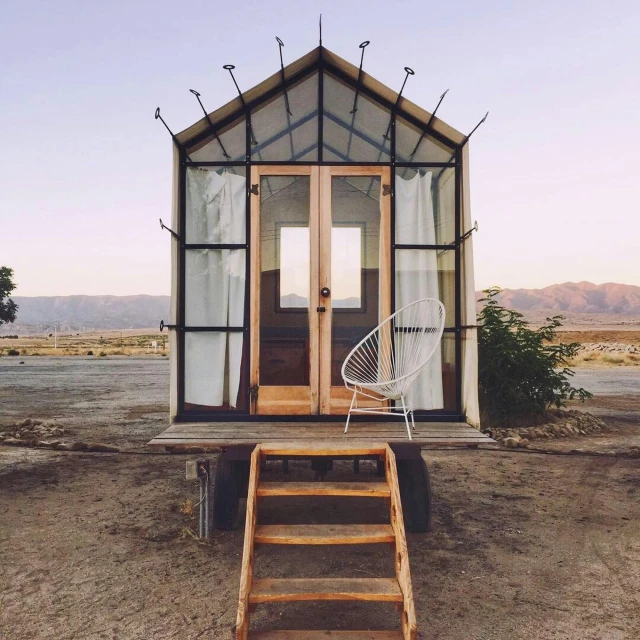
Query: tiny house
x,y
306,211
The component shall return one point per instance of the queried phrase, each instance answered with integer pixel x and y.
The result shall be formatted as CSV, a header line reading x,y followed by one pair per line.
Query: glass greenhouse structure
x,y
306,211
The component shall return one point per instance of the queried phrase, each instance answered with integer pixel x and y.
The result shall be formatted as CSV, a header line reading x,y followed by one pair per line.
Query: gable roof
x,y
320,56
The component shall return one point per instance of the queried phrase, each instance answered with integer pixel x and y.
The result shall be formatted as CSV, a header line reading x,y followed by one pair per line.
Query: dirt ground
x,y
524,544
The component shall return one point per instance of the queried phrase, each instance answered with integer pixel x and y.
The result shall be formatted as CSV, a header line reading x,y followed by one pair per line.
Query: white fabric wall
x,y
215,286
173,309
417,273
470,406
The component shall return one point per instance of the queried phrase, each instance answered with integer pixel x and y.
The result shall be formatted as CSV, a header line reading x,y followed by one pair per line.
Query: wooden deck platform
x,y
221,435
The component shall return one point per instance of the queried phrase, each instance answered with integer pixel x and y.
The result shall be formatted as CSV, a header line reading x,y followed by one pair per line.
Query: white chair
x,y
386,362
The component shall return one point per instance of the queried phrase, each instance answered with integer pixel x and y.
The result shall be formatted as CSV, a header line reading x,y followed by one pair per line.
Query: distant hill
x,y
575,297
580,301
83,313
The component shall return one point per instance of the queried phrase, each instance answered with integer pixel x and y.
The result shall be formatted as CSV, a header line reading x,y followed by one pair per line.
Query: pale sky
x,y
85,170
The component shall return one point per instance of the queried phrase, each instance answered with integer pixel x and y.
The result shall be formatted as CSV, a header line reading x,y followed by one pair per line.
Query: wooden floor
x,y
216,435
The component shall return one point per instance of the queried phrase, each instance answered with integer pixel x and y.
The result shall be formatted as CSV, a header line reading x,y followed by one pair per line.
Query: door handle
x,y
321,309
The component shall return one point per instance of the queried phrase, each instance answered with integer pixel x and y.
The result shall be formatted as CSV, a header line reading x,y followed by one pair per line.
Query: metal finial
x,y
425,131
213,130
286,97
410,72
474,128
157,116
363,46
230,68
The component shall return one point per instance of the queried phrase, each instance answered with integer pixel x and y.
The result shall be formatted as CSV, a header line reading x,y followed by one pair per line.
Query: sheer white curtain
x,y
417,273
215,286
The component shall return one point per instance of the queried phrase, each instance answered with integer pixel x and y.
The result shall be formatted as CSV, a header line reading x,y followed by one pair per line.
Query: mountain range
x,y
575,297
83,313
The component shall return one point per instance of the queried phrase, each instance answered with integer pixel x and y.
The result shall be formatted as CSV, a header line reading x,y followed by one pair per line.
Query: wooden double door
x,y
320,281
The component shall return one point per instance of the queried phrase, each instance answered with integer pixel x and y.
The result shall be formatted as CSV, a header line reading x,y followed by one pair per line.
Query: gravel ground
x,y
524,544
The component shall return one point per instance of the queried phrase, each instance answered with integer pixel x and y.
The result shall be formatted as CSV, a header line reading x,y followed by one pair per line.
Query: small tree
x,y
8,307
521,373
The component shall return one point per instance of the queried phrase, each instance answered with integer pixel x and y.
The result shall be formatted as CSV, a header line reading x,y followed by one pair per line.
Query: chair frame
x,y
367,391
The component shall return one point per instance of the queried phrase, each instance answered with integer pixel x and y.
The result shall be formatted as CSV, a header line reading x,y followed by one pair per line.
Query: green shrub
x,y
13,352
102,354
89,353
520,372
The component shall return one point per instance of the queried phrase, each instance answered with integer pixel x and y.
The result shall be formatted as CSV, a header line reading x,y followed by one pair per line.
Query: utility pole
x,y
55,335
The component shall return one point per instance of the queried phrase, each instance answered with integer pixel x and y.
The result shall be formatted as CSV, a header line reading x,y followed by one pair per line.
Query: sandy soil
x,y
524,544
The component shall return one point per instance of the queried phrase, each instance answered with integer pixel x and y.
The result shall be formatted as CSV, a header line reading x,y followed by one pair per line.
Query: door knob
x,y
325,292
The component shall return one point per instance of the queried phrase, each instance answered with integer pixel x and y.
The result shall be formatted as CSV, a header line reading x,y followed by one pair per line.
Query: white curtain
x,y
215,286
417,273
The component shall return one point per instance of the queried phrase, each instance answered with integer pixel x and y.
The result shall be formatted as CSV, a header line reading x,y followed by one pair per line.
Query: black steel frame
x,y
395,110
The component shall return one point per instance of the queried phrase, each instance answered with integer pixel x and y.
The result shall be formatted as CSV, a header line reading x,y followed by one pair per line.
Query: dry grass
x,y
100,344
187,508
605,359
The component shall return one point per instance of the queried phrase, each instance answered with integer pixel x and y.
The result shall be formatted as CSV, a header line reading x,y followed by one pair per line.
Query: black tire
x,y
229,486
415,494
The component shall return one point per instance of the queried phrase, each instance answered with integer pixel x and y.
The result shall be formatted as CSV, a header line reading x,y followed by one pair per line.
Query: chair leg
x,y
406,419
413,422
346,428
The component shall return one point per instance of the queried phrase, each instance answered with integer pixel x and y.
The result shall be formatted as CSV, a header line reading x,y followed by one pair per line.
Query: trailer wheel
x,y
229,486
415,494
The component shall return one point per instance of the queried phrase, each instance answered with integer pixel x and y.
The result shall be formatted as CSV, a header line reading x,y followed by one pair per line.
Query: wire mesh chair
x,y
386,362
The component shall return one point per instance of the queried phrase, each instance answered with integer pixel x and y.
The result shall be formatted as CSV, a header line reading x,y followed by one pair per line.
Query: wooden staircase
x,y
257,591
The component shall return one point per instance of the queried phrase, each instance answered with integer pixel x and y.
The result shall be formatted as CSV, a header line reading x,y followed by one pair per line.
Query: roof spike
x,y
157,116
425,131
230,68
286,97
463,143
410,72
474,129
320,25
363,46
215,133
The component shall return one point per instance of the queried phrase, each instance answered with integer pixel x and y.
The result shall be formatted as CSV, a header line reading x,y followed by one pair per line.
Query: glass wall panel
x,y
355,263
280,135
425,205
214,365
215,287
411,148
216,202
426,273
435,388
353,137
448,351
284,280
232,140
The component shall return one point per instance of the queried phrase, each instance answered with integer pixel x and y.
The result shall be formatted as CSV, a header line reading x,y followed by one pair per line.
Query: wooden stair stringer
x,y
246,572
403,573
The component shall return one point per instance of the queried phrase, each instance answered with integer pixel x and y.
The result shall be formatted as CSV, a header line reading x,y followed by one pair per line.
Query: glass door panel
x,y
355,258
284,332
284,281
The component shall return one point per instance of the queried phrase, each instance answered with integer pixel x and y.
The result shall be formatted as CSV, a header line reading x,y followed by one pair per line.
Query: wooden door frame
x,y
319,397
284,400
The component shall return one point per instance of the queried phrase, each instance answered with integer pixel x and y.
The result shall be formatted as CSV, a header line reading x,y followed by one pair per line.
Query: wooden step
x,y
353,489
325,635
296,589
324,533
323,448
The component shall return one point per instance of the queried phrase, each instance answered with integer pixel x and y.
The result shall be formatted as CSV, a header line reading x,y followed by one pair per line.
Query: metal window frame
x,y
319,66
